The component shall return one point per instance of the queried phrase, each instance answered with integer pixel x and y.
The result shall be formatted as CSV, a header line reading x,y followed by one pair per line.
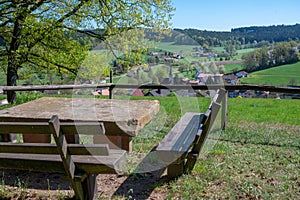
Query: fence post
x,y
224,118
111,93
111,76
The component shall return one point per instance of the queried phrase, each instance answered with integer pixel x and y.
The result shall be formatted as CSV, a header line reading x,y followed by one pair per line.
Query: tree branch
x,y
74,71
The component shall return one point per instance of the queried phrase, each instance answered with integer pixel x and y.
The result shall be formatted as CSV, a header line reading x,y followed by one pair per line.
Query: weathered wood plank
x,y
180,148
24,127
69,128
61,144
114,163
224,117
175,145
200,138
40,148
178,139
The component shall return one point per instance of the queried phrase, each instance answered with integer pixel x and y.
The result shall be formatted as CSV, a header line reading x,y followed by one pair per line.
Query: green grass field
x,y
257,157
229,68
280,76
241,52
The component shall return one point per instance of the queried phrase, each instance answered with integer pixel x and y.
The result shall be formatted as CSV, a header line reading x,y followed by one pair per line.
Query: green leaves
x,y
54,36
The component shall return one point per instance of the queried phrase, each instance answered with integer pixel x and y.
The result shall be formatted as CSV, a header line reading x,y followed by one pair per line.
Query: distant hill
x,y
277,33
244,35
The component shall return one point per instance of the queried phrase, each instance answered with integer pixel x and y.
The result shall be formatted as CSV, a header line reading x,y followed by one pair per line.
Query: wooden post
x,y
111,94
111,76
176,169
224,119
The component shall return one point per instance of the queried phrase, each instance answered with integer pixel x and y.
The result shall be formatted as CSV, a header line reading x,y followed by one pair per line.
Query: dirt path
x,y
32,185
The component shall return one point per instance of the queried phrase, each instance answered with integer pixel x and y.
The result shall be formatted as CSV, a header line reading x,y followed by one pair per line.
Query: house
x,y
158,93
138,93
213,78
193,82
105,92
230,79
177,56
241,74
154,54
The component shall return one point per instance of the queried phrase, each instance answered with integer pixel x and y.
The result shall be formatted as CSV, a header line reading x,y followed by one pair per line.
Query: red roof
x,y
105,92
138,93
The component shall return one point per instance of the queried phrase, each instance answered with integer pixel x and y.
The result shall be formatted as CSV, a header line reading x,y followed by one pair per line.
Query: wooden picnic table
x,y
122,119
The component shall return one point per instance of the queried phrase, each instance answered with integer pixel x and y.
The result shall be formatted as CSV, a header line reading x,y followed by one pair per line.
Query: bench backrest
x,y
205,128
190,131
208,120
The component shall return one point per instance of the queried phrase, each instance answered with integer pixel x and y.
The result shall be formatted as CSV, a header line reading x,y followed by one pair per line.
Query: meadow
x,y
188,53
256,157
281,75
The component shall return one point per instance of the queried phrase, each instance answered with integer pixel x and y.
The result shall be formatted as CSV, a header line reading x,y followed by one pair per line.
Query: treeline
x,y
267,57
244,36
277,33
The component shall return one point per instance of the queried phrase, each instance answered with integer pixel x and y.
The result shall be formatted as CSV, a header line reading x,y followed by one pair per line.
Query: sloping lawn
x,y
257,157
281,75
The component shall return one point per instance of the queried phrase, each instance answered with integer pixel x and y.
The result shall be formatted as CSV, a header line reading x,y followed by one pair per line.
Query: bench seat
x,y
112,164
179,140
180,148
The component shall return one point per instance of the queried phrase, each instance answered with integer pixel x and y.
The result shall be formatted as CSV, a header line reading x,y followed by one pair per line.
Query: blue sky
x,y
222,15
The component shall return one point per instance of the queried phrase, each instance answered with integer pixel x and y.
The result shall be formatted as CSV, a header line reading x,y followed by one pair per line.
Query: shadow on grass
x,y
34,180
260,143
147,176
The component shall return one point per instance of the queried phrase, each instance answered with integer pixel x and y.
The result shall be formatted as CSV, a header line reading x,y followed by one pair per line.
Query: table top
x,y
120,117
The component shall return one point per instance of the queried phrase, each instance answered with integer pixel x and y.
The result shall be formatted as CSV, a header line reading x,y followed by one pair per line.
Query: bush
x,y
23,97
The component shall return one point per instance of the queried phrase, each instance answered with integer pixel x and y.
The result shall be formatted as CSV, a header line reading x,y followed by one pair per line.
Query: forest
x,y
276,55
257,35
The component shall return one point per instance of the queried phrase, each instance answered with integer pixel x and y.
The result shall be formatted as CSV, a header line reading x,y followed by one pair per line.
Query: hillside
x,y
246,35
281,75
257,157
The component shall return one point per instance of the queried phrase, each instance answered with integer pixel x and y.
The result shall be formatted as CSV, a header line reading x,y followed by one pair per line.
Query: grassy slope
x,y
188,51
256,157
281,75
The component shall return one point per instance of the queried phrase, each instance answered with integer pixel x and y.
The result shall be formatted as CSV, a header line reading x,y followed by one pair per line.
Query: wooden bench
x,y
180,148
80,162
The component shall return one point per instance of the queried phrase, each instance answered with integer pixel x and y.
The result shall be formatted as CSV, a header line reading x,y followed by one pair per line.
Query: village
x,y
199,78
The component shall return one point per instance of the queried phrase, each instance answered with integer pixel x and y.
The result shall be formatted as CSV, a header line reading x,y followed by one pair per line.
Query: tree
x,y
51,35
161,73
93,69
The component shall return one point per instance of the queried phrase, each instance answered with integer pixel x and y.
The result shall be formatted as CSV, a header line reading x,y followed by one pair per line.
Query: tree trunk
x,y
13,60
11,81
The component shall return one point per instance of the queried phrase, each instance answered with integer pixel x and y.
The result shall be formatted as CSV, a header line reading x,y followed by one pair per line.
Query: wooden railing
x,y
111,87
292,90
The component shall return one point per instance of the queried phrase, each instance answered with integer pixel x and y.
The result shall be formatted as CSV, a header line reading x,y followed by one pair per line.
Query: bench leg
x,y
190,163
175,169
90,186
122,142
86,187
